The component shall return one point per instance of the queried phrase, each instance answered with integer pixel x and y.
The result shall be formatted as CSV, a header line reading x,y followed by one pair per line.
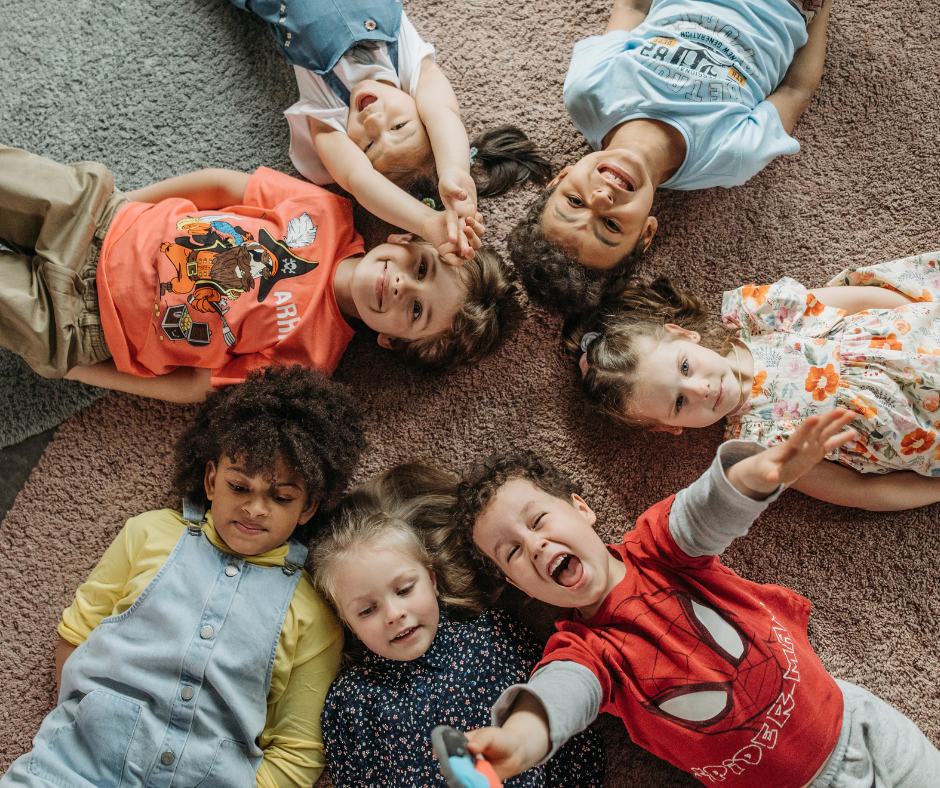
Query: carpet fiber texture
x,y
157,88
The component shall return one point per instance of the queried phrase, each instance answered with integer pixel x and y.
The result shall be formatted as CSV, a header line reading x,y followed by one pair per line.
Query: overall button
x,y
231,570
206,632
370,24
187,693
168,757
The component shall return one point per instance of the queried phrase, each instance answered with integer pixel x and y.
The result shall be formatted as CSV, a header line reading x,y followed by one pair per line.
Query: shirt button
x,y
187,693
206,632
231,570
370,25
168,757
283,8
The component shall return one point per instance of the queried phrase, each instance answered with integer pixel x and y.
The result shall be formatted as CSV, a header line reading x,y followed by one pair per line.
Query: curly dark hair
x,y
480,483
486,315
552,276
291,414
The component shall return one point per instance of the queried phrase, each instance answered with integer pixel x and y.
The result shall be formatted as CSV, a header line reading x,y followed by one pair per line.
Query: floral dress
x,y
883,364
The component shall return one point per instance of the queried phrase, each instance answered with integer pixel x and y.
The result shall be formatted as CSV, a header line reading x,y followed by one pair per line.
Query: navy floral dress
x,y
378,716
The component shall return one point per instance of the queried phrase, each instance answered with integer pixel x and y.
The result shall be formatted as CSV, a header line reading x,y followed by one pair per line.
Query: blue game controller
x,y
459,766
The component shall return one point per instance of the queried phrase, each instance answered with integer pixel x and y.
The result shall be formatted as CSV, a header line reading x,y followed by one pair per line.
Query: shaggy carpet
x,y
158,88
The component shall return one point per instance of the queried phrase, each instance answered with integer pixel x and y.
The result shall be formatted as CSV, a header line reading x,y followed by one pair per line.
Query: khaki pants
x,y
53,219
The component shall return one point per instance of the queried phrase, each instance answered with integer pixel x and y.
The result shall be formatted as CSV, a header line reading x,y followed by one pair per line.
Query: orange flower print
x,y
860,406
917,442
931,402
822,382
813,305
889,342
902,326
928,351
925,295
754,296
757,388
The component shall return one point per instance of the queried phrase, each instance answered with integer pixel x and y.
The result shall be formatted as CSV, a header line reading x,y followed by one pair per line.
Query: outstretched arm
x,y
521,742
856,298
793,94
351,169
184,384
760,475
875,492
206,189
627,14
438,109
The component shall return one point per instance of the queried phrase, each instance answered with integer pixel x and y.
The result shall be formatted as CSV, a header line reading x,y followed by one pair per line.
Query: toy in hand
x,y
460,768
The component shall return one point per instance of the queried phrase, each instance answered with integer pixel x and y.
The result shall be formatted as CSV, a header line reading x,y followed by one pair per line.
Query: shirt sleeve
x,y
98,596
756,140
570,694
710,513
784,306
292,741
412,49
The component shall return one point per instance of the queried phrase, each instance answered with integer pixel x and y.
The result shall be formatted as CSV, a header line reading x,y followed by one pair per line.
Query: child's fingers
x,y
476,225
452,221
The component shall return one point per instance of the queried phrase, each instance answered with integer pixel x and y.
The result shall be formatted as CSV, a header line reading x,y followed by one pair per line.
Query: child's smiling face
x,y
255,514
547,546
405,291
600,208
384,123
389,600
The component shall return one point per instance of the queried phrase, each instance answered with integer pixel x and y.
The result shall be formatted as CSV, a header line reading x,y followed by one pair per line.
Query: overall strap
x,y
336,85
194,513
296,555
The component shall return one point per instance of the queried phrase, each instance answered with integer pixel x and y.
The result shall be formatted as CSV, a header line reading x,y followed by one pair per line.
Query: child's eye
x,y
366,148
422,269
399,126
679,402
538,521
366,612
575,201
416,310
237,488
685,367
511,553
611,225
406,590
282,499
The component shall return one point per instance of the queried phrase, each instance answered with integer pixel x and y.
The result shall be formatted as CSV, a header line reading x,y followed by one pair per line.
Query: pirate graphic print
x,y
216,263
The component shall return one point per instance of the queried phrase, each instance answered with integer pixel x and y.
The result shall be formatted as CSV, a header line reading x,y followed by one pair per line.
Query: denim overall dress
x,y
315,34
173,691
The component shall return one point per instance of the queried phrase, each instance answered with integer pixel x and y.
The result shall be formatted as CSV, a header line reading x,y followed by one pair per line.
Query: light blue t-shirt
x,y
705,68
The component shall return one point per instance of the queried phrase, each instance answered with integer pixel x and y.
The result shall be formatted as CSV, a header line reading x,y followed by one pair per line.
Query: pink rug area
x,y
863,190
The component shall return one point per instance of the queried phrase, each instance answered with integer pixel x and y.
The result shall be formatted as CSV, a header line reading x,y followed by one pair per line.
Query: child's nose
x,y
401,285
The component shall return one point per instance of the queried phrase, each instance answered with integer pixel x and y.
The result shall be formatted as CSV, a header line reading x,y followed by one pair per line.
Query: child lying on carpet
x,y
194,281
197,651
423,653
377,116
707,670
866,342
683,94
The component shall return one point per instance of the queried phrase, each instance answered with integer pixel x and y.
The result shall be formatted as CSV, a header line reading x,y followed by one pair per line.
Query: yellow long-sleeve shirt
x,y
305,663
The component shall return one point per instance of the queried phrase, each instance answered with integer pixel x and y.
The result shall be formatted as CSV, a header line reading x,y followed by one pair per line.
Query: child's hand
x,y
459,195
471,230
502,747
758,476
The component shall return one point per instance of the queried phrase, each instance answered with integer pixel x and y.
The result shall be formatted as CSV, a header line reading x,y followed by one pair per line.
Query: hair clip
x,y
473,154
587,339
429,201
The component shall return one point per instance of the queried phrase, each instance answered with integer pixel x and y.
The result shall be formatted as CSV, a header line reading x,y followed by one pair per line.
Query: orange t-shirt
x,y
229,289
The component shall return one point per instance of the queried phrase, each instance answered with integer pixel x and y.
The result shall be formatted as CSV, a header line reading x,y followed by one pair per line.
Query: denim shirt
x,y
378,715
314,34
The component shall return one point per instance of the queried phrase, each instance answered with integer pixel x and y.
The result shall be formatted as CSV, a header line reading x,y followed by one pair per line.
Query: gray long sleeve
x,y
710,513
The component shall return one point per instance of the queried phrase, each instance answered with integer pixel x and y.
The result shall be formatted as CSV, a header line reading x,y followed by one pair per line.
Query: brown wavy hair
x,y
640,311
487,314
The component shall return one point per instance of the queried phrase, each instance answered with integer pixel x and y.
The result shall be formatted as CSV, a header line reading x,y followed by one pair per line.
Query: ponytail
x,y
508,158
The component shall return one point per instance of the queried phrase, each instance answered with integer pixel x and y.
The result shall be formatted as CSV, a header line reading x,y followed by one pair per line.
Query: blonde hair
x,y
485,316
640,311
407,508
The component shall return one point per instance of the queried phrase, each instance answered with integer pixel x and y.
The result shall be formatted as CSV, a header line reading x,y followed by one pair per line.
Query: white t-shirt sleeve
x,y
317,100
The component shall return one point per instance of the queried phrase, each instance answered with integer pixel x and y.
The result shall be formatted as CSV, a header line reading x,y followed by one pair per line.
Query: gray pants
x,y
53,219
878,748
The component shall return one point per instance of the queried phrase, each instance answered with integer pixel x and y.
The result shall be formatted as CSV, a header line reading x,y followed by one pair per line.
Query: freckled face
x,y
389,600
384,123
600,208
404,290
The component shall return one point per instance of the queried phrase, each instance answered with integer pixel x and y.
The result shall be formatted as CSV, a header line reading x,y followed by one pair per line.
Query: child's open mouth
x,y
380,286
405,634
364,101
566,570
617,177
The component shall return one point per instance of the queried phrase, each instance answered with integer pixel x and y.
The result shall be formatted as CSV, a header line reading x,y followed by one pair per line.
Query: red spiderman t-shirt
x,y
709,671
229,289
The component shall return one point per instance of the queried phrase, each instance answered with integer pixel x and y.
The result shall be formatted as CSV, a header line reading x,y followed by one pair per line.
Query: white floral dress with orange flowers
x,y
884,364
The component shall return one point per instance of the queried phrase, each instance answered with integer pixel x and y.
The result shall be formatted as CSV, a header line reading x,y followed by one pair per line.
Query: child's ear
x,y
386,341
209,479
652,225
401,238
692,336
433,576
309,510
509,580
581,505
666,428
560,177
